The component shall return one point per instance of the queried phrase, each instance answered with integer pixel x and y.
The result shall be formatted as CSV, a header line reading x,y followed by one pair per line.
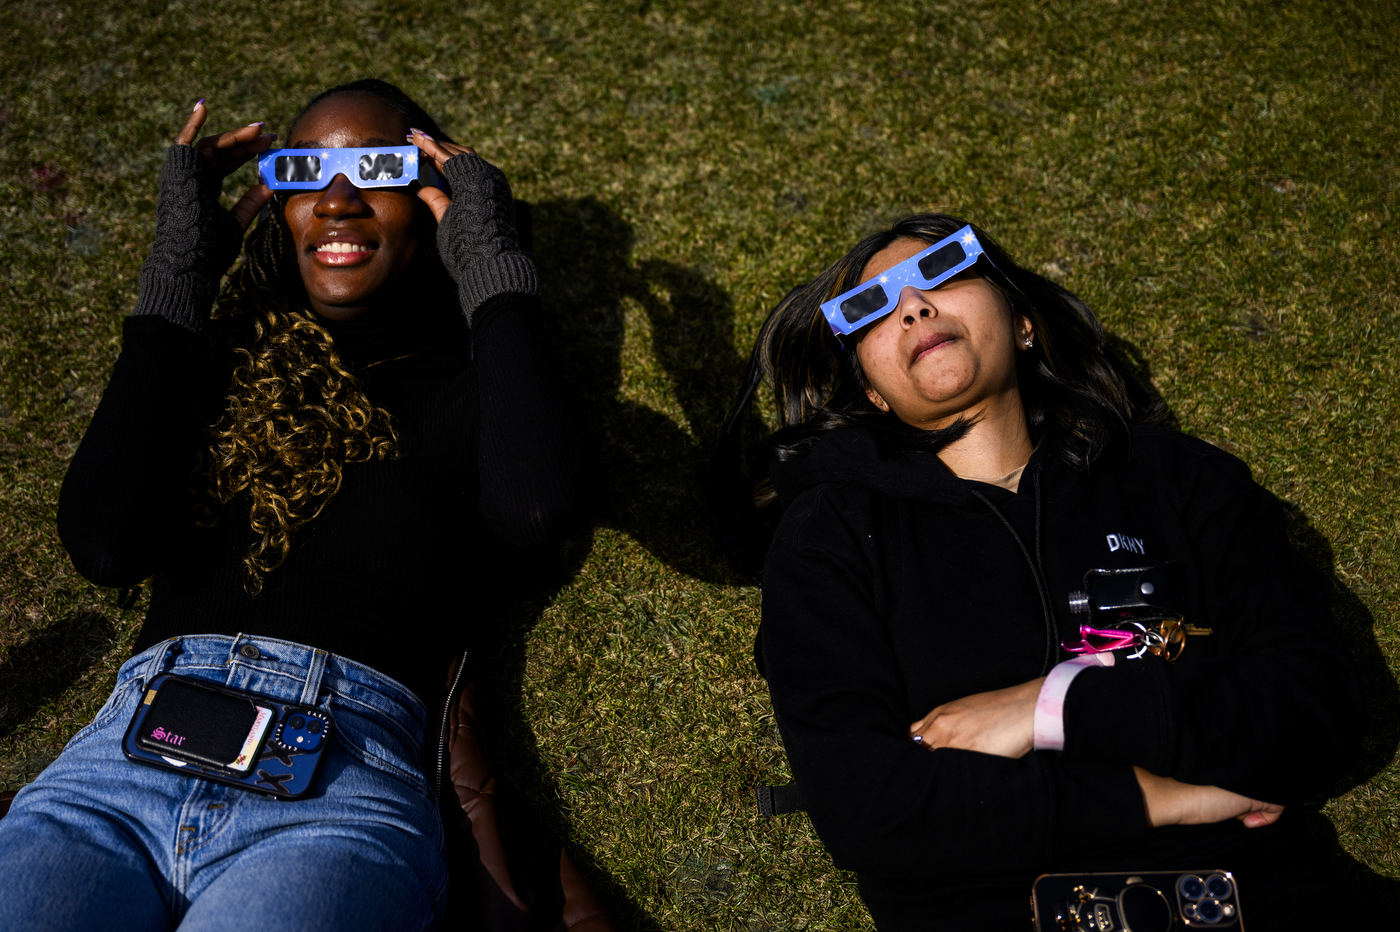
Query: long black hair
x,y
1077,395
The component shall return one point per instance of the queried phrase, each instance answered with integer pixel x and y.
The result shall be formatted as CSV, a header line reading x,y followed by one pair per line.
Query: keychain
x,y
1165,639
1137,609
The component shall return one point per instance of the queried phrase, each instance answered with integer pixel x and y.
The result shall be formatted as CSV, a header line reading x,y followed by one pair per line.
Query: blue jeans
x,y
98,842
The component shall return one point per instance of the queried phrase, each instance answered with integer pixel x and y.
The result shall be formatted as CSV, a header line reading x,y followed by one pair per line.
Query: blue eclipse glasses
x,y
925,270
373,167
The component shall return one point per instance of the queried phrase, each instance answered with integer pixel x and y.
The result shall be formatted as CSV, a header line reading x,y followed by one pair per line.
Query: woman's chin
x,y
944,399
346,285
342,303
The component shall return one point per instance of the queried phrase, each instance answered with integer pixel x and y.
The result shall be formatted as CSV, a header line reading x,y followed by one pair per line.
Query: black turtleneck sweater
x,y
389,574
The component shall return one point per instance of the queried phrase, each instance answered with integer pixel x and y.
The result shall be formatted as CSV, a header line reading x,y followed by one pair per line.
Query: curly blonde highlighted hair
x,y
295,417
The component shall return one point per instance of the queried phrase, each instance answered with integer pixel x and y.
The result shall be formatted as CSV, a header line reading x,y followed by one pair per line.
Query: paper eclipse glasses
x,y
372,167
925,270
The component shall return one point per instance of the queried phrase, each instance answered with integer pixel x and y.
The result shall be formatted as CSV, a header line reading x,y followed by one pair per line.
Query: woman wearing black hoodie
x,y
955,456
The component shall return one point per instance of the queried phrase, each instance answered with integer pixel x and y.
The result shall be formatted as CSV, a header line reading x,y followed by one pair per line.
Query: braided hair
x,y
294,417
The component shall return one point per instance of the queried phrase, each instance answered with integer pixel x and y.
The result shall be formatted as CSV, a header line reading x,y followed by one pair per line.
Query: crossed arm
x,y
1001,722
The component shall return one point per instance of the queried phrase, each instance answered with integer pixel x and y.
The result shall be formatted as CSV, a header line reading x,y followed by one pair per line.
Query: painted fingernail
x,y
423,134
196,105
259,123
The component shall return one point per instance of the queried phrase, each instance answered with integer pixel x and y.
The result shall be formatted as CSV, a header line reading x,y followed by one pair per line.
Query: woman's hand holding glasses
x,y
196,238
223,154
441,153
476,236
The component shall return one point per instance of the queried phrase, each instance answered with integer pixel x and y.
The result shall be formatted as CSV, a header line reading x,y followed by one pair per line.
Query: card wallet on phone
x,y
190,722
232,736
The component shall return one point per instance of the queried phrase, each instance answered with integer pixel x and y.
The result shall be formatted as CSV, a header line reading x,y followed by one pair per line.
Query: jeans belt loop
x,y
314,673
157,662
231,662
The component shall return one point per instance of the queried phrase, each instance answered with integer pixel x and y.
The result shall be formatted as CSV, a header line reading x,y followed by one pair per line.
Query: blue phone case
x,y
280,768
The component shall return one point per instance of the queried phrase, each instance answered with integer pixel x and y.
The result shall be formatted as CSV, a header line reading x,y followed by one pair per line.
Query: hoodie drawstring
x,y
1037,573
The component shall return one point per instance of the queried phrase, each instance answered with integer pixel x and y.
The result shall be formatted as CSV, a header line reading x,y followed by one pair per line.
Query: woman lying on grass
x,y
954,458
313,478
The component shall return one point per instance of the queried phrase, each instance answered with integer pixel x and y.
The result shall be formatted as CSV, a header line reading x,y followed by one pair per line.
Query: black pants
x,y
1292,875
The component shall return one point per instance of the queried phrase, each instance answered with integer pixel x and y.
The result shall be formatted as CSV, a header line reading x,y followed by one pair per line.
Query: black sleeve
x,y
128,486
881,803
1277,714
534,449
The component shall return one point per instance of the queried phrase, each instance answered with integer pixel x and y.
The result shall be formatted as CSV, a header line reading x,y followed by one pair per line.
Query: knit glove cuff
x,y
196,241
477,237
185,300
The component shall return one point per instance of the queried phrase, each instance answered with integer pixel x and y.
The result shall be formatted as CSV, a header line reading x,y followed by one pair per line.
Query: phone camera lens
x,y
314,726
296,723
1191,887
1218,886
1209,910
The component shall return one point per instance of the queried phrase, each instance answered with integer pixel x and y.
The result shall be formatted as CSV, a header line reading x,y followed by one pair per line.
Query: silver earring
x,y
1030,341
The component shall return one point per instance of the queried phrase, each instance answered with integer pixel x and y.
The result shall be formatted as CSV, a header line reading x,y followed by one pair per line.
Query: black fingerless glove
x,y
196,242
477,236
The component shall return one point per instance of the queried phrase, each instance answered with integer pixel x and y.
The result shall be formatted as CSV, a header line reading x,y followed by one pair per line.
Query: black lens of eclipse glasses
x,y
381,166
297,168
941,260
864,304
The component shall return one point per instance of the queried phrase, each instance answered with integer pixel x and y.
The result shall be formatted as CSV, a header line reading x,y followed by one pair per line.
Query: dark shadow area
x,y
528,789
1141,370
1379,895
651,470
51,661
1382,734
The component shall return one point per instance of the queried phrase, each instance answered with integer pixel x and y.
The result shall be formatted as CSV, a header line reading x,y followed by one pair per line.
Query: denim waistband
x,y
283,670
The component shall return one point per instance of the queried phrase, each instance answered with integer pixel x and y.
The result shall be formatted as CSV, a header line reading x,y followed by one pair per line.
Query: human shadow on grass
x,y
619,328
42,667
606,308
1381,736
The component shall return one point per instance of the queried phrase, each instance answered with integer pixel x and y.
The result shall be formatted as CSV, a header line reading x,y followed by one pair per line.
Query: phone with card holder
x,y
231,736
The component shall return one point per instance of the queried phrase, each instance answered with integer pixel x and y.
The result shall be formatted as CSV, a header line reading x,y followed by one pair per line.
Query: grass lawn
x,y
1219,181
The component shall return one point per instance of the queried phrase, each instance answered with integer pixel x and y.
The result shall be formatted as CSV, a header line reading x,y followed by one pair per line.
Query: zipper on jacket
x,y
442,726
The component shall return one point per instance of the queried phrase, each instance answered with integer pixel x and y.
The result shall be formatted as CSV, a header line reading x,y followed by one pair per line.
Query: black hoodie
x,y
893,586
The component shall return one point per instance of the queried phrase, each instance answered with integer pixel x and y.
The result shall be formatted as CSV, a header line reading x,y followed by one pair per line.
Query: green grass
x,y
1219,182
